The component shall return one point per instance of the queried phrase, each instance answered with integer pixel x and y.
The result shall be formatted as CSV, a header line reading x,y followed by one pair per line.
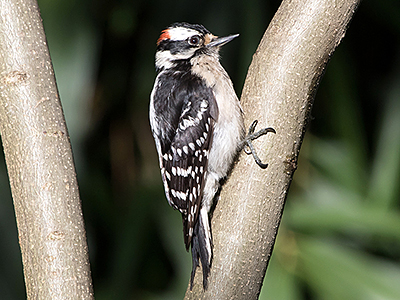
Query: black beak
x,y
220,41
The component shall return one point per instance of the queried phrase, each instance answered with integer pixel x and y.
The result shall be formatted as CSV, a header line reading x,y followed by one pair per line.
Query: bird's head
x,y
182,41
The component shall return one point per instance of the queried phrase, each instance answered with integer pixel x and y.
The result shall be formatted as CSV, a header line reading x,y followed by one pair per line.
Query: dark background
x,y
340,234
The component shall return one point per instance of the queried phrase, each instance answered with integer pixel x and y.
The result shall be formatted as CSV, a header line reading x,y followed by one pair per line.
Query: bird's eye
x,y
194,40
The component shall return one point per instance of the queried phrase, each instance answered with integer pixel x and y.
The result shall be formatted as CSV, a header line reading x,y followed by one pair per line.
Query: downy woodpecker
x,y
197,123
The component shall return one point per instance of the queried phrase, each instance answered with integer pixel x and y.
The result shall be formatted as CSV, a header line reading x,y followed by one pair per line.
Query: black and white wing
x,y
184,164
184,141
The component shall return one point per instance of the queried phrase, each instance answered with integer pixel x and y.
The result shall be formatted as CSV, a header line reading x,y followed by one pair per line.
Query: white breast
x,y
229,129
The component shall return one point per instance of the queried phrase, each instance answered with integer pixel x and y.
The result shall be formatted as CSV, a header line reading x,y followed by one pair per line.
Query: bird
x,y
198,126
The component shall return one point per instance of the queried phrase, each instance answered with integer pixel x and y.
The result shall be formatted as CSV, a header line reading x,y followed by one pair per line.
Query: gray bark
x,y
39,160
279,91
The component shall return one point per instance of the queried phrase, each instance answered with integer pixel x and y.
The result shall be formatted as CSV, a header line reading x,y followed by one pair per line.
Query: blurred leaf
x,y
330,208
348,274
384,184
281,281
345,116
335,160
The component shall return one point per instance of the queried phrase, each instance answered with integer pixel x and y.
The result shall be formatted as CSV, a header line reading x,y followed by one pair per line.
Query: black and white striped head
x,y
182,41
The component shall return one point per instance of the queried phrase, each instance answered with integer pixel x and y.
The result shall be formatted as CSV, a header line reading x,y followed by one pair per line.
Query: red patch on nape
x,y
164,36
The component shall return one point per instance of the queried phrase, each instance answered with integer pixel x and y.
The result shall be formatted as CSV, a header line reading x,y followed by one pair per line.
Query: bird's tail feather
x,y
201,248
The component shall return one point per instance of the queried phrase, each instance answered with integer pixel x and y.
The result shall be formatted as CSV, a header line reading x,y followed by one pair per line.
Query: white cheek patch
x,y
181,34
165,59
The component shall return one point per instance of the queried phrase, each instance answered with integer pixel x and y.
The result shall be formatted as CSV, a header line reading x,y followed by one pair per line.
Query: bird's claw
x,y
251,135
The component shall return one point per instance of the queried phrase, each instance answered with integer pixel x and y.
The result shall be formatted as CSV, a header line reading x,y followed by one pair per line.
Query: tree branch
x,y
279,91
39,160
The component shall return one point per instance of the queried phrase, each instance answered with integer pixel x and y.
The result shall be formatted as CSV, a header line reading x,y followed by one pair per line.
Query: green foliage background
x,y
340,234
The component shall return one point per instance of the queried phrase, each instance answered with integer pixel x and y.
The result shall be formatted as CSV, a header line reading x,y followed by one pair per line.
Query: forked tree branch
x,y
279,91
39,160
